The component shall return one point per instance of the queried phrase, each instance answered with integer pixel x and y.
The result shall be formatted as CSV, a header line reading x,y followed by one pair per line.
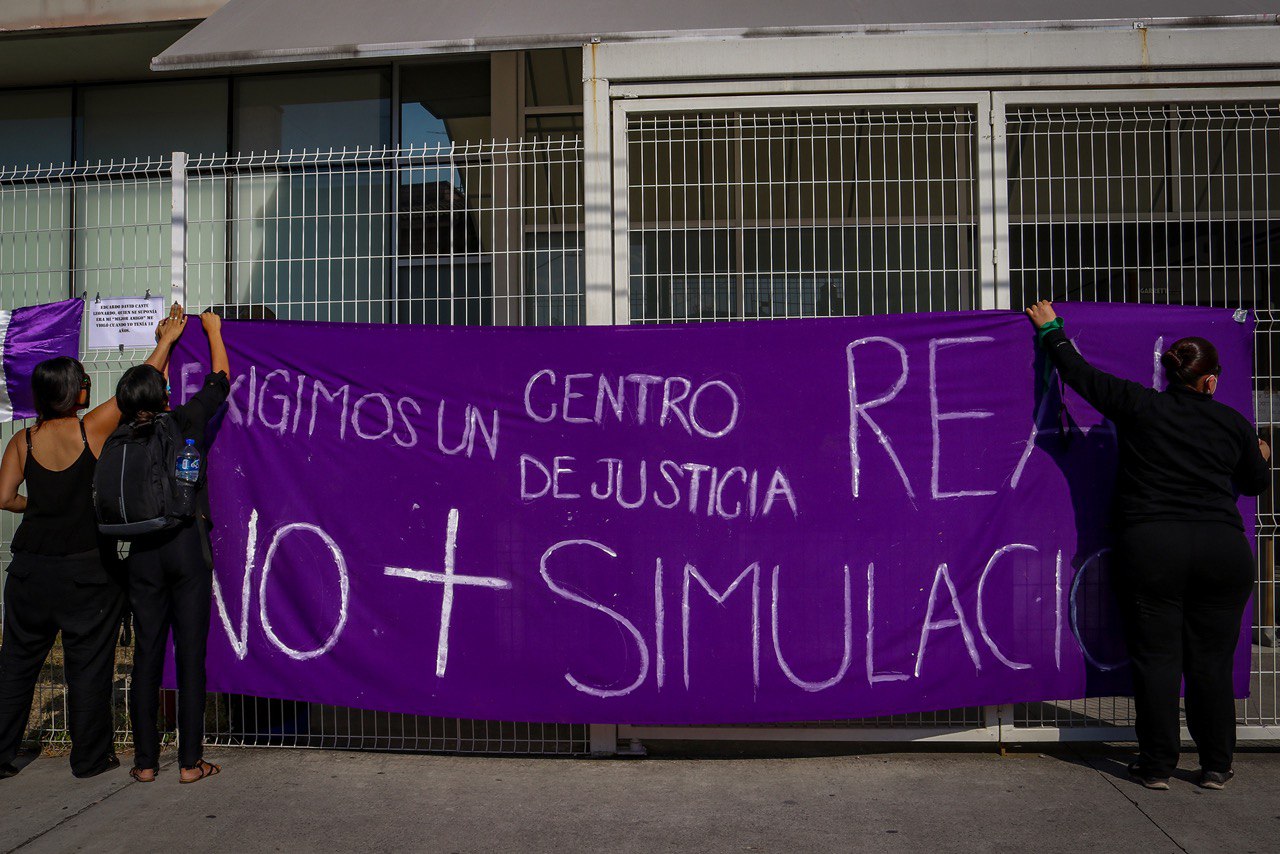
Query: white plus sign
x,y
450,580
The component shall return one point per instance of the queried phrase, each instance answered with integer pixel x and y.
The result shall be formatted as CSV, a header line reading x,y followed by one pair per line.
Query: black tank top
x,y
59,519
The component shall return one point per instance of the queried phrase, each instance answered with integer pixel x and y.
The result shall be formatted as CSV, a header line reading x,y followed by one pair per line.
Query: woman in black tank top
x,y
58,519
59,579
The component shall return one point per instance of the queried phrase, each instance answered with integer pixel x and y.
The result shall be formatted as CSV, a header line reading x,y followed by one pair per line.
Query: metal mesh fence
x,y
95,232
480,235
484,234
864,211
825,213
752,214
1156,203
814,213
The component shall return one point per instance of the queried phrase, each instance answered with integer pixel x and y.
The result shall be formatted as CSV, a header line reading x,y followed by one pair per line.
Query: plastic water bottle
x,y
188,470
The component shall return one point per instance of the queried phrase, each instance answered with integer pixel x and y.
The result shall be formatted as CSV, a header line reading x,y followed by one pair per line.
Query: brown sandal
x,y
206,769
136,773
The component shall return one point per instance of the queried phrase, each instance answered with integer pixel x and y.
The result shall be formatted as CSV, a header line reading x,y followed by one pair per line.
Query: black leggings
x,y
1183,587
170,586
74,595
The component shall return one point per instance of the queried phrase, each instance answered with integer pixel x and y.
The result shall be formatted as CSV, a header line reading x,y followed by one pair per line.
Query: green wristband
x,y
1048,369
1056,323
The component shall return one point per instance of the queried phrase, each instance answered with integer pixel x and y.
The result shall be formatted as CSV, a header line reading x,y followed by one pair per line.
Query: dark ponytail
x,y
141,394
1189,360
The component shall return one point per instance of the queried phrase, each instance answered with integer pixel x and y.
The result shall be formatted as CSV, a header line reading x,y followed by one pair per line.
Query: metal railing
x,y
1169,203
753,210
744,211
478,235
801,213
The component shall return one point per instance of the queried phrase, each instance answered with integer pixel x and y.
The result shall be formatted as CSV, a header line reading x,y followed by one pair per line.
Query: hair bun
x,y
1189,360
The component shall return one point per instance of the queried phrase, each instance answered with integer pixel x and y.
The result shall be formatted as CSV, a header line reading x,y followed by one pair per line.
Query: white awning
x,y
261,32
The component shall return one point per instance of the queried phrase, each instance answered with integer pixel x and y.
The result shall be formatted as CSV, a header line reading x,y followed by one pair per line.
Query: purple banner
x,y
722,523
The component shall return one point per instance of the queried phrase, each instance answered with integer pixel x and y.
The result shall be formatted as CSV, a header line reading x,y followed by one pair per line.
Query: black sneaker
x,y
1140,775
8,770
110,763
1216,780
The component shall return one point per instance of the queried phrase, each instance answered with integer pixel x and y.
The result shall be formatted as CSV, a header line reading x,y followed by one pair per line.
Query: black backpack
x,y
135,489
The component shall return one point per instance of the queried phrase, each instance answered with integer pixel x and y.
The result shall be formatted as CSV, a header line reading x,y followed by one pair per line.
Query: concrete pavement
x,y
299,800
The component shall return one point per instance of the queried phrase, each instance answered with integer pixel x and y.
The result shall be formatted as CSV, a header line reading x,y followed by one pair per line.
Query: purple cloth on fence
x,y
33,334
722,523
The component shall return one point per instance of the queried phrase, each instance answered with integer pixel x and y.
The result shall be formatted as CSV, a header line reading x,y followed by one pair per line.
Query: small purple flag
x,y
28,336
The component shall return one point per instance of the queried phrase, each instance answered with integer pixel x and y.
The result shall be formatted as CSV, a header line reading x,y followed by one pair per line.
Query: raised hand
x,y
170,329
1041,313
210,321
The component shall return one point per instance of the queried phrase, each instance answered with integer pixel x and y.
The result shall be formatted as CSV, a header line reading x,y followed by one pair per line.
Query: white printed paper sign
x,y
124,321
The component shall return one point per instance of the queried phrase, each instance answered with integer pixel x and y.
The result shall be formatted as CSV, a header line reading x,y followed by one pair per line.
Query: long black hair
x,y
141,394
55,387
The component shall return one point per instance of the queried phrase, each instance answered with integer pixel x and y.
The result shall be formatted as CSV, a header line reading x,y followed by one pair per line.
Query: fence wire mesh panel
x,y
966,718
812,213
483,235
779,214
95,232
1156,203
751,214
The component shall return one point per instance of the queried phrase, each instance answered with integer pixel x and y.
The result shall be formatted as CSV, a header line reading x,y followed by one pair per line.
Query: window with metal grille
x,y
746,215
1152,203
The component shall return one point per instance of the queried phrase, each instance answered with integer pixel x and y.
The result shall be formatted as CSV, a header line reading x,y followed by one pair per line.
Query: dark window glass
x,y
35,127
831,213
313,111
35,237
553,127
309,245
446,212
553,78
445,102
152,119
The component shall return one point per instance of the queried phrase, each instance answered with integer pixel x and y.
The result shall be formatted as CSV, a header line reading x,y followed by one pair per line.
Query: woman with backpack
x,y
59,580
170,571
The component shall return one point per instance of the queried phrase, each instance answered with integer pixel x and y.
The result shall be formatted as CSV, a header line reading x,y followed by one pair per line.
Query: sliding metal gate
x,y
821,205
1159,197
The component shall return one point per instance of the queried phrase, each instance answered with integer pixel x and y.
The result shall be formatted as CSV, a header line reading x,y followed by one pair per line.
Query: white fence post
x,y
597,195
998,154
604,739
597,248
178,233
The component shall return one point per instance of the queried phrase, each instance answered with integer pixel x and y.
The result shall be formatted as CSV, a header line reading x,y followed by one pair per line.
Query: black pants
x,y
170,586
1183,587
74,595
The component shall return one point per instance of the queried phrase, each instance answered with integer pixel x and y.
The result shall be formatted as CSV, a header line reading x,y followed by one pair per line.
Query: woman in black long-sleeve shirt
x,y
1184,567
